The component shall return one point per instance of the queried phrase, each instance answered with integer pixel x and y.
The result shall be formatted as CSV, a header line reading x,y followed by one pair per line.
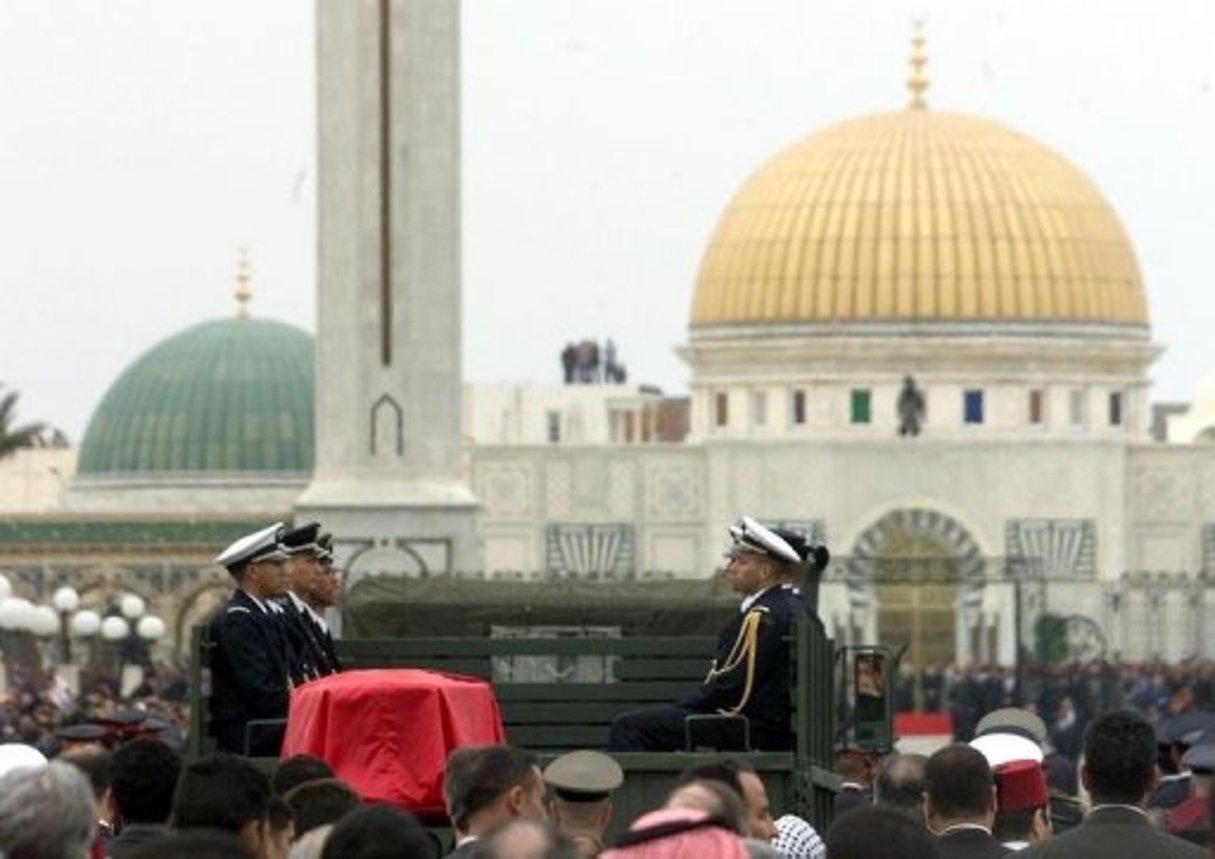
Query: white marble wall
x,y
1145,504
390,467
361,392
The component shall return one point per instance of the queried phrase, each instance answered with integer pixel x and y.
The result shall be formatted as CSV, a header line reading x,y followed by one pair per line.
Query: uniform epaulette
x,y
762,608
238,608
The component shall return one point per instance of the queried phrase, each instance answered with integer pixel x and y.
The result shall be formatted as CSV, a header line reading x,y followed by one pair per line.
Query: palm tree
x,y
12,436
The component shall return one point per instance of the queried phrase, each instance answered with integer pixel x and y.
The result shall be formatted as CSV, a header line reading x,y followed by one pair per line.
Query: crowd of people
x,y
1066,695
1138,790
139,798
1119,755
38,712
999,794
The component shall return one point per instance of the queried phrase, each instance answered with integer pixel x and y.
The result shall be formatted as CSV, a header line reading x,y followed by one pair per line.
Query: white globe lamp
x,y
150,627
66,600
132,606
114,629
86,624
43,621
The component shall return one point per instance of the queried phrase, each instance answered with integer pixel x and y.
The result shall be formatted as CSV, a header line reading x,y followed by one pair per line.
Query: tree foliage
x,y
14,436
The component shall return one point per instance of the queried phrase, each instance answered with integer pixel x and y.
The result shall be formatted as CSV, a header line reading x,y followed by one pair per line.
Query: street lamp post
x,y
66,600
26,629
12,621
23,624
131,633
43,625
114,630
85,625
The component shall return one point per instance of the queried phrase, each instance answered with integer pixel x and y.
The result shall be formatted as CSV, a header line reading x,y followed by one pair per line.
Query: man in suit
x,y
1119,772
856,771
223,793
487,786
879,832
143,776
250,656
900,784
751,674
960,803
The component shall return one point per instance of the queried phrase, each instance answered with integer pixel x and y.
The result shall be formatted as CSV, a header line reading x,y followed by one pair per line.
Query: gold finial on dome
x,y
917,81
243,292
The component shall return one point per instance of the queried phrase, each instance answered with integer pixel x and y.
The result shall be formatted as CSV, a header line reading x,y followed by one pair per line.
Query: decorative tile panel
x,y
673,491
506,490
590,551
1164,492
1062,548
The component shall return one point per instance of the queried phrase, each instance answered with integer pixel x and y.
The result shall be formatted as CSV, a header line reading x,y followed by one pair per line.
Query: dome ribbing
x,y
918,216
226,396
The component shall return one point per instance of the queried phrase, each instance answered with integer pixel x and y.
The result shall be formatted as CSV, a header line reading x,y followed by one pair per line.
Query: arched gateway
x,y
915,572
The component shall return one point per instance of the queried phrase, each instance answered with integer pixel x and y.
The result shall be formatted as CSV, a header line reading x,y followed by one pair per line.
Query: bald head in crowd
x,y
900,784
741,778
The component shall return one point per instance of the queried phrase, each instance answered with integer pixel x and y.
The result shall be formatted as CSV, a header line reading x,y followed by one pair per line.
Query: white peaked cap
x,y
751,534
1003,748
258,546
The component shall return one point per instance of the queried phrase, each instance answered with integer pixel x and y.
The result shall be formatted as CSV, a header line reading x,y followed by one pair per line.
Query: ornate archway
x,y
915,570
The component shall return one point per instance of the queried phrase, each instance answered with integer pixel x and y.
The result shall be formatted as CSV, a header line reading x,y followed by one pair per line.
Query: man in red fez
x,y
1022,813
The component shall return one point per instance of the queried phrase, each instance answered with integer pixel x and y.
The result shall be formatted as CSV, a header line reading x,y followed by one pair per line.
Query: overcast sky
x,y
143,142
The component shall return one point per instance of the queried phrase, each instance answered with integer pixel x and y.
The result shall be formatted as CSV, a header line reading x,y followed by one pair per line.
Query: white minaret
x,y
390,479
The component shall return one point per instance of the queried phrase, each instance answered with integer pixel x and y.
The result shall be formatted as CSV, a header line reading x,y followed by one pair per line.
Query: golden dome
x,y
918,216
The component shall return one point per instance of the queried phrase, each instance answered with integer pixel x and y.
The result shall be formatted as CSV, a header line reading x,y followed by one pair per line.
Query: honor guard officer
x,y
307,574
325,596
315,587
751,673
251,660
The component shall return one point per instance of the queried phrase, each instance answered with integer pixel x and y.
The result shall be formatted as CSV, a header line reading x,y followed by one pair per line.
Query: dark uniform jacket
x,y
1114,830
308,657
332,663
320,642
250,676
851,798
752,673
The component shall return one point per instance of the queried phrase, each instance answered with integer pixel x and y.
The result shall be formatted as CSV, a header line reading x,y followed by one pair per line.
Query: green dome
x,y
231,395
